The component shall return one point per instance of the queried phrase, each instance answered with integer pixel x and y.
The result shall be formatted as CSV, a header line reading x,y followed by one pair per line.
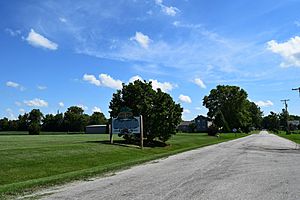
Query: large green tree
x,y
35,119
97,118
229,108
160,113
75,119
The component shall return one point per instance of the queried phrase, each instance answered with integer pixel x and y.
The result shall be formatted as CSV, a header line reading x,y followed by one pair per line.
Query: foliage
x,y
160,113
53,122
75,119
97,118
229,108
271,122
35,118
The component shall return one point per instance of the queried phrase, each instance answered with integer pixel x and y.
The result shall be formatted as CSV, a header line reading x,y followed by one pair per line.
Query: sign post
x,y
111,140
142,132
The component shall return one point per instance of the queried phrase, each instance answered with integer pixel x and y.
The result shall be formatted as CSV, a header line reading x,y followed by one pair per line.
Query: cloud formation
x,y
134,78
91,79
167,10
289,51
61,104
164,86
186,111
96,109
41,87
267,103
185,99
36,103
142,39
108,81
199,82
37,40
15,85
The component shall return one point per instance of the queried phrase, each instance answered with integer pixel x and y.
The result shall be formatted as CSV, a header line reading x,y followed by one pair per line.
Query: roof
x,y
94,126
185,123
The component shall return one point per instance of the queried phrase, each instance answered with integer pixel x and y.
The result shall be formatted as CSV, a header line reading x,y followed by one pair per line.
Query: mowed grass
x,y
28,162
295,137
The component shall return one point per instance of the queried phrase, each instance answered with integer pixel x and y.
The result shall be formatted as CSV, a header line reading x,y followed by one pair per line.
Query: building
x,y
199,124
294,125
95,129
185,126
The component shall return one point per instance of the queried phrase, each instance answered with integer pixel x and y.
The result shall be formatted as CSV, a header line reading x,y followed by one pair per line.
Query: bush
x,y
34,129
212,130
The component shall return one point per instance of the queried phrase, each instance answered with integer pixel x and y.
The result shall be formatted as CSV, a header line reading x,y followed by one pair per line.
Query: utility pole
x,y
286,111
297,89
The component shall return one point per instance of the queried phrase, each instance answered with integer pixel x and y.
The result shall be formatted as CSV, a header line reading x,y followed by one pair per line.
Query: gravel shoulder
x,y
259,166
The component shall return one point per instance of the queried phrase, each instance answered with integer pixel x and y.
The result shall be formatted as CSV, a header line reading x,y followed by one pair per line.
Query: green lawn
x,y
293,137
28,162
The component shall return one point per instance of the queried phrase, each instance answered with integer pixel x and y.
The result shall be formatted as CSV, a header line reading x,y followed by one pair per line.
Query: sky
x,y
57,54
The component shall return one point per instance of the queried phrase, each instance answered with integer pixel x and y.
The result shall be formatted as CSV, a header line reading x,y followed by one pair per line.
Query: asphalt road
x,y
261,166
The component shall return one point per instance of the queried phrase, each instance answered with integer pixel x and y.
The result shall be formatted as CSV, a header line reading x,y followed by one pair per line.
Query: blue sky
x,y
55,54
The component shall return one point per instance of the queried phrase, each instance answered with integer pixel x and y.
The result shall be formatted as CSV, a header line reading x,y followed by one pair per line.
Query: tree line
x,y
73,120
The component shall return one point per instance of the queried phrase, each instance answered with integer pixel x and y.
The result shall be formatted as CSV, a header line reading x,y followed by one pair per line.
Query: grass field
x,y
293,137
28,162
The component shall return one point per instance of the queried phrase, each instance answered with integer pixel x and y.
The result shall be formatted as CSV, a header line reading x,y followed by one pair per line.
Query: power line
x,y
297,89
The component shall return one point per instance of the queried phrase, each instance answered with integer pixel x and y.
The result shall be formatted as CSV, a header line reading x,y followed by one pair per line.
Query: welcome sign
x,y
125,123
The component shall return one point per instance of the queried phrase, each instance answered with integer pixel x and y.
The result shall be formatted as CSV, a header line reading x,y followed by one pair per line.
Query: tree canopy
x,y
229,108
160,113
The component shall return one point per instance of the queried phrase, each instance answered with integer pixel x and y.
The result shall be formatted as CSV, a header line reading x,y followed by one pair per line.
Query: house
x,y
293,125
201,123
185,126
95,129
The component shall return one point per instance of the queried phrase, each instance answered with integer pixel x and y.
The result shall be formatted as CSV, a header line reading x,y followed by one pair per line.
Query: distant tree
x,y
97,118
53,122
160,113
23,122
227,106
75,119
35,119
255,115
271,122
283,118
4,124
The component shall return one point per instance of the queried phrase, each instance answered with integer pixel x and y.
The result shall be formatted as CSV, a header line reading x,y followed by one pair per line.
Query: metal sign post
x,y
142,132
111,140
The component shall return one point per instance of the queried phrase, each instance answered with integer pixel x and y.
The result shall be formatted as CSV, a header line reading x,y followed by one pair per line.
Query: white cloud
x,y
61,104
18,103
36,103
21,111
185,99
264,103
142,39
108,81
10,114
14,85
289,51
91,79
171,11
168,10
165,86
186,111
82,106
62,19
40,87
38,40
134,78
12,32
199,82
198,108
96,109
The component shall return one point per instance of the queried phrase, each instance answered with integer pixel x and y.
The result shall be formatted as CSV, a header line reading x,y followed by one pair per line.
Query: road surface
x,y
260,166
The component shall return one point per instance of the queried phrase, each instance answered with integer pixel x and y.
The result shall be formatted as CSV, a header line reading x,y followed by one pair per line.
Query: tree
x,y
75,119
271,122
4,124
23,122
160,113
35,119
227,106
53,122
97,118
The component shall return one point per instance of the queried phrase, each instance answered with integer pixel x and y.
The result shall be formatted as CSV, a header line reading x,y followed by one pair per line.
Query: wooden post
x,y
142,131
110,134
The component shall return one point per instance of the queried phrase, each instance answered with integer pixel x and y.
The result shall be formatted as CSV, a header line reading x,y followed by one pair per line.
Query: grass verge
x,y
29,162
293,137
